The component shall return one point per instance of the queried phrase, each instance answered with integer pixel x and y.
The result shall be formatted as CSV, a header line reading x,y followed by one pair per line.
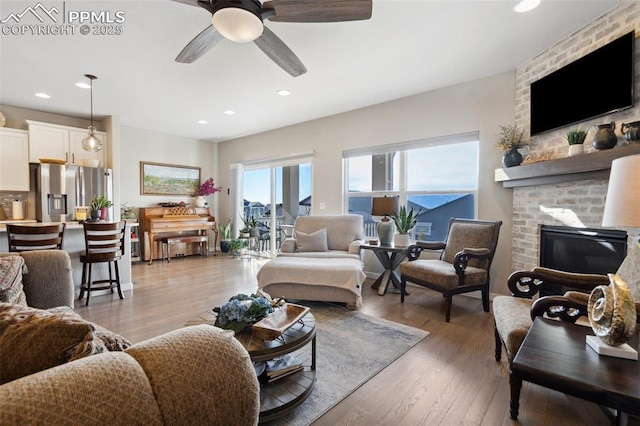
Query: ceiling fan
x,y
242,21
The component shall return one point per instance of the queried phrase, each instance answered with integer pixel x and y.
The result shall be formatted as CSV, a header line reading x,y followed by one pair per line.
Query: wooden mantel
x,y
595,165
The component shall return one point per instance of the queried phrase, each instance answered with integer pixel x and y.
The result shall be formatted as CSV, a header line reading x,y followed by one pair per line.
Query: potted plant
x,y
99,206
250,226
511,139
576,138
404,221
225,235
236,245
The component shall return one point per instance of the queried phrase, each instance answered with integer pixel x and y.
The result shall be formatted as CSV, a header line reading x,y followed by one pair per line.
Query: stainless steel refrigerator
x,y
61,188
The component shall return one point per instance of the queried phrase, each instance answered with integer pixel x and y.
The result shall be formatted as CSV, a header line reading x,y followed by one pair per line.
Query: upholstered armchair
x,y
464,262
513,314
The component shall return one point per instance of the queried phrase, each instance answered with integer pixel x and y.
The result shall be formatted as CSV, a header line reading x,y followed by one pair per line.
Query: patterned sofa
x,y
56,368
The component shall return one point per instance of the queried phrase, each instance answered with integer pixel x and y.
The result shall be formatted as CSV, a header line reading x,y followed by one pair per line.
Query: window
x,y
436,177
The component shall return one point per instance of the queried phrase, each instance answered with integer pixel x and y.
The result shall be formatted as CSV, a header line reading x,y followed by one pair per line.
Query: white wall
x,y
480,105
138,145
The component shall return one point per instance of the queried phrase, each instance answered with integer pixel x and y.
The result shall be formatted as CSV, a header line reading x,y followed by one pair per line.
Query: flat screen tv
x,y
599,83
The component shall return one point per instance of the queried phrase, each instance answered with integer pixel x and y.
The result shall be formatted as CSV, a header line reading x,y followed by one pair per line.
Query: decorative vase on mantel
x,y
605,136
512,158
200,201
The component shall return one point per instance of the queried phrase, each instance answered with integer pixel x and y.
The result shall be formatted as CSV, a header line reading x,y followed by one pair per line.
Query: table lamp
x,y
622,209
385,206
612,311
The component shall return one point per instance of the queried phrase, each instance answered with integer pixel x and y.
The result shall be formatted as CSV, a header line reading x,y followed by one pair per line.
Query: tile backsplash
x,y
6,200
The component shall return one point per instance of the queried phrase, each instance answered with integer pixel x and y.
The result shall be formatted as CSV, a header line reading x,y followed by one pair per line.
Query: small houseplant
x,y
236,245
250,226
404,221
510,141
225,235
99,206
576,138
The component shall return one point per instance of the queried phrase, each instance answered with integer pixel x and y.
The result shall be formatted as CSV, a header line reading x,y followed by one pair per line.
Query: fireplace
x,y
584,250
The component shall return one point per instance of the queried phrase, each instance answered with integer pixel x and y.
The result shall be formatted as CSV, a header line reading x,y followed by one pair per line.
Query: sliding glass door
x,y
275,194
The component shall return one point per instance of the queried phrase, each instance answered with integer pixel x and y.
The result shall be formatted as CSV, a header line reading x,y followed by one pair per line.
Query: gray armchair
x,y
464,262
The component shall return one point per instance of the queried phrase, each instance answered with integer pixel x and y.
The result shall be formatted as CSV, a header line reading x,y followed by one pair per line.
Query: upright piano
x,y
160,222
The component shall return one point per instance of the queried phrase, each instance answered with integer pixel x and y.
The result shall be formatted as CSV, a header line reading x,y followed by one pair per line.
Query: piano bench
x,y
202,240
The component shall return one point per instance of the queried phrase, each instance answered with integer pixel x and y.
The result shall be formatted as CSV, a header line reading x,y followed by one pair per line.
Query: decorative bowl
x,y
272,327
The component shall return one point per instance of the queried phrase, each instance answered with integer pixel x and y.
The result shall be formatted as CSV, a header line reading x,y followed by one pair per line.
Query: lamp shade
x,y
622,206
385,206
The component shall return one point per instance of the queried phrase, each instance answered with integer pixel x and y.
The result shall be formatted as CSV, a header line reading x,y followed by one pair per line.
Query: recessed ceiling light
x,y
42,95
202,122
526,5
284,92
229,112
83,85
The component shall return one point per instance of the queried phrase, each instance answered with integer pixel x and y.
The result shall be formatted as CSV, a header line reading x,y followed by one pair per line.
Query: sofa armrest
x,y
49,280
288,246
354,247
200,375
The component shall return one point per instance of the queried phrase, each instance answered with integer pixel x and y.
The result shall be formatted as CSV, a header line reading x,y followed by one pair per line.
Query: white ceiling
x,y
407,47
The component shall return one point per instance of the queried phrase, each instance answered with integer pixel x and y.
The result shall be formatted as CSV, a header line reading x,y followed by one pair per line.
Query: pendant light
x,y
91,142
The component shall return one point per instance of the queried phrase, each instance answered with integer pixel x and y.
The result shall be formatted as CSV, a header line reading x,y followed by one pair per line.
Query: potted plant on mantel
x,y
576,138
404,224
511,140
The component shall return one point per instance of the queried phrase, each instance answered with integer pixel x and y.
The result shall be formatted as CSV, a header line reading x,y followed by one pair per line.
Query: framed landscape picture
x,y
168,179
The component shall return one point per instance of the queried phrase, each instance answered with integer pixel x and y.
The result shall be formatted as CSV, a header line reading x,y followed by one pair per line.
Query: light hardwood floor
x,y
449,378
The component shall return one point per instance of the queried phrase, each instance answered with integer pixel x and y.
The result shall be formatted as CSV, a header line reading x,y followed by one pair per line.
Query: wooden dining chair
x,y
35,237
104,243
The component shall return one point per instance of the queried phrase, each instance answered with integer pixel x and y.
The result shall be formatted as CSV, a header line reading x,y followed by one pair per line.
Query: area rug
x,y
352,347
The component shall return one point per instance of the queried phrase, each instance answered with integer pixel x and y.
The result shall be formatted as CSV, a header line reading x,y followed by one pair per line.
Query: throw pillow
x,y
33,340
11,270
113,341
316,241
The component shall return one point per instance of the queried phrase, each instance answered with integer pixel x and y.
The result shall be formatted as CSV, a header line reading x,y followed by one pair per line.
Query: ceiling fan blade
x,y
280,53
319,10
200,45
189,2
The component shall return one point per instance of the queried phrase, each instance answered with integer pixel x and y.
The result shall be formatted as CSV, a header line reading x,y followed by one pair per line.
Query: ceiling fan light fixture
x,y
91,143
526,5
237,24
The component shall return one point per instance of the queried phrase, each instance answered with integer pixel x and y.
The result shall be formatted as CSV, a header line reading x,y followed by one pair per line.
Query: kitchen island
x,y
74,245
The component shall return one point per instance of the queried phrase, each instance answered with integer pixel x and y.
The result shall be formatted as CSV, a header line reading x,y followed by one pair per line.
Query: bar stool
x,y
104,243
35,237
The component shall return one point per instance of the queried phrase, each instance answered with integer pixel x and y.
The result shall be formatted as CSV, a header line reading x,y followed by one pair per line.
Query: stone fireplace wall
x,y
580,203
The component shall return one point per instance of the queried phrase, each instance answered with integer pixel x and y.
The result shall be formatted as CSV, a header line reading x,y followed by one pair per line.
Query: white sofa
x,y
322,262
345,234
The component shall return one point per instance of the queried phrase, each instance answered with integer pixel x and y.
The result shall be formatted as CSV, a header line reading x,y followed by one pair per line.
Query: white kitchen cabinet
x,y
62,143
14,160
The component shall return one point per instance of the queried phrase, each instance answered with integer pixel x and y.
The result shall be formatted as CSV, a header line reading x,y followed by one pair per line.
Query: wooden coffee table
x,y
279,397
554,354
